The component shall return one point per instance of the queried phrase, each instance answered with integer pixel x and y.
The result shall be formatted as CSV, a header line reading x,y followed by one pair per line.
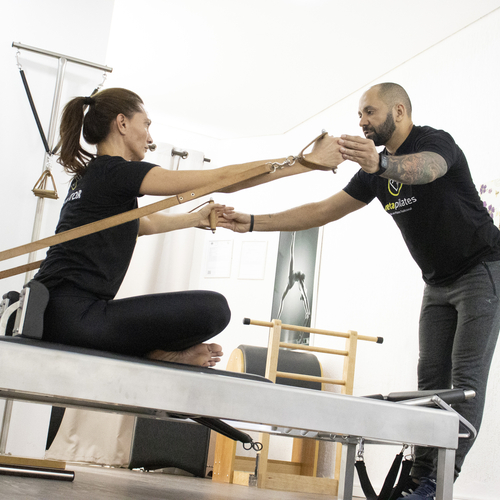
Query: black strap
x,y
388,492
35,114
366,485
390,480
403,479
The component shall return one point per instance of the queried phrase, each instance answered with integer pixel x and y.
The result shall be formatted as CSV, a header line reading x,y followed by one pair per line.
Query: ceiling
x,y
246,68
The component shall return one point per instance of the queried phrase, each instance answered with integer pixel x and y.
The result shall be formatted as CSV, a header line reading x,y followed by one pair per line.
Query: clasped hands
x,y
331,151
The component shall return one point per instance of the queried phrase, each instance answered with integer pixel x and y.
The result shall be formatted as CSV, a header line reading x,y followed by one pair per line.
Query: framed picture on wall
x,y
294,283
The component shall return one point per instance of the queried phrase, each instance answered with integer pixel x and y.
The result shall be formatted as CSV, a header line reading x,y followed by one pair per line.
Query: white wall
x,y
58,26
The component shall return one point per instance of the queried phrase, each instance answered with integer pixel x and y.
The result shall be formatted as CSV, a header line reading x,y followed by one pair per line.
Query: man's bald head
x,y
393,94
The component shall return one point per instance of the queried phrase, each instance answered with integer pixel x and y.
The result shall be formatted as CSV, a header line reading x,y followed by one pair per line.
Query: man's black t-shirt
x,y
97,263
444,223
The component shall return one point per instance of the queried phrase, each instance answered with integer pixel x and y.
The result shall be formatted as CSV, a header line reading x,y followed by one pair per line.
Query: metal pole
x,y
62,56
37,224
7,412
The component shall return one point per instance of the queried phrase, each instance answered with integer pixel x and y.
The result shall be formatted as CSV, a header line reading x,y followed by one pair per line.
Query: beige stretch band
x,y
116,220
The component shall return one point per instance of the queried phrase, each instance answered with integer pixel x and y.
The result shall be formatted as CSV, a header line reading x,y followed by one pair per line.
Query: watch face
x,y
383,161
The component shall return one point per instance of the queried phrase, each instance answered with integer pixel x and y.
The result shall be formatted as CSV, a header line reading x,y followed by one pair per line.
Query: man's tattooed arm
x,y
418,168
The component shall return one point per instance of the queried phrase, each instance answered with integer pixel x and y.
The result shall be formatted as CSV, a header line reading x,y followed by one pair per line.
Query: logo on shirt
x,y
402,204
394,187
73,196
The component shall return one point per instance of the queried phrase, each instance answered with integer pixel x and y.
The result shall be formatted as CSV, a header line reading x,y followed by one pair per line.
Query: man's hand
x,y
204,214
235,221
361,151
326,152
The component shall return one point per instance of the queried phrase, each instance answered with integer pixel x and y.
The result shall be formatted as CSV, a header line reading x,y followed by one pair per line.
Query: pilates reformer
x,y
102,381
37,371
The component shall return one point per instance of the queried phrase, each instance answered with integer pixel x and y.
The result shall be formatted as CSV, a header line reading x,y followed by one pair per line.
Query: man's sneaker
x,y
426,490
408,489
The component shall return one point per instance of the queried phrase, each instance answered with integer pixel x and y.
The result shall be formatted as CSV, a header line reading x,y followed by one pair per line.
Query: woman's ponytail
x,y
73,157
92,117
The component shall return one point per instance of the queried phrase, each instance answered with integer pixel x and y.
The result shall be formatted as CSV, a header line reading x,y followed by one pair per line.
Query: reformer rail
x,y
112,383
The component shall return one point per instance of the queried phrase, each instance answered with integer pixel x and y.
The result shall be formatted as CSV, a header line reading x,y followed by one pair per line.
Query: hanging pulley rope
x,y
40,188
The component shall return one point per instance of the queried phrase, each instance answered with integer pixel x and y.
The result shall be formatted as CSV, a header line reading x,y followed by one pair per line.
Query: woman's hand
x,y
235,221
205,211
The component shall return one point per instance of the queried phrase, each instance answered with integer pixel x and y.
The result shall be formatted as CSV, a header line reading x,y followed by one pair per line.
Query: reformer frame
x,y
60,376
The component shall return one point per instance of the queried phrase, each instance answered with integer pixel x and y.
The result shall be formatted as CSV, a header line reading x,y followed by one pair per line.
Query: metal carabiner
x,y
360,455
19,65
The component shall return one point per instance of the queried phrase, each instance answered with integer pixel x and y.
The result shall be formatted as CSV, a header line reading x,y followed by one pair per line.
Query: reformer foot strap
x,y
366,485
390,480
387,492
403,479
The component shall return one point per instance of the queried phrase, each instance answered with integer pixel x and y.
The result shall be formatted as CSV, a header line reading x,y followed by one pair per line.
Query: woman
x,y
84,275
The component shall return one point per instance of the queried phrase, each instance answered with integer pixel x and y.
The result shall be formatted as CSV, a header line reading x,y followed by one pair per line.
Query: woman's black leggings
x,y
137,325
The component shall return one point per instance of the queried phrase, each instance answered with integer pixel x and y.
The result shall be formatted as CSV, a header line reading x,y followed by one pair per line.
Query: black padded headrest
x,y
288,361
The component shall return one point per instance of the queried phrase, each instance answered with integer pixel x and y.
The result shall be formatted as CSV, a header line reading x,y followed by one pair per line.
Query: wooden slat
x,y
311,330
310,378
247,464
303,484
32,462
311,348
225,451
241,477
305,452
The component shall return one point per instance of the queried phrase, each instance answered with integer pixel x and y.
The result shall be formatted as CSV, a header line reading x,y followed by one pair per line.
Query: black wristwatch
x,y
382,164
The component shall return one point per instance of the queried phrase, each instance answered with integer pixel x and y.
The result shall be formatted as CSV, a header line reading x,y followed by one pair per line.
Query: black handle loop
x,y
254,445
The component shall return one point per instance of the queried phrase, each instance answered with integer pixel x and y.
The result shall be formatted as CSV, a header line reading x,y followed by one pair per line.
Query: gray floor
x,y
97,483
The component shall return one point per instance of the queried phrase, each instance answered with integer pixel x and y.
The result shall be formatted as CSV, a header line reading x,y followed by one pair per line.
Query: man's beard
x,y
381,136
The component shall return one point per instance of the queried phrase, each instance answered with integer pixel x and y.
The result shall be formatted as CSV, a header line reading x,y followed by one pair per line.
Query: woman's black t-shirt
x,y
97,263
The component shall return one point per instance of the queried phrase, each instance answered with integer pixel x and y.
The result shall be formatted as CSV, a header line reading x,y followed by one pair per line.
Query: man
x,y
423,181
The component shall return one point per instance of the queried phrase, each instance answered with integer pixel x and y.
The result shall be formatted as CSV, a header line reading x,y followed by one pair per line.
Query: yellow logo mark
x,y
394,187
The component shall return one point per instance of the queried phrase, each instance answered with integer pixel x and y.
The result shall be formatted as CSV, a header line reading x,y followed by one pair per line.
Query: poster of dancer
x,y
294,282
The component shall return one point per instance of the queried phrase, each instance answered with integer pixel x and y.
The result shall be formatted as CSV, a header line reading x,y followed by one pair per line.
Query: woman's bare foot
x,y
198,355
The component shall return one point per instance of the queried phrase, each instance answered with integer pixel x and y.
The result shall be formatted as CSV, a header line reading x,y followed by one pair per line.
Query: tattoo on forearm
x,y
419,168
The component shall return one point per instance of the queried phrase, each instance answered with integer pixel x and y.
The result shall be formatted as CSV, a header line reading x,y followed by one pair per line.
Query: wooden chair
x,y
300,473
